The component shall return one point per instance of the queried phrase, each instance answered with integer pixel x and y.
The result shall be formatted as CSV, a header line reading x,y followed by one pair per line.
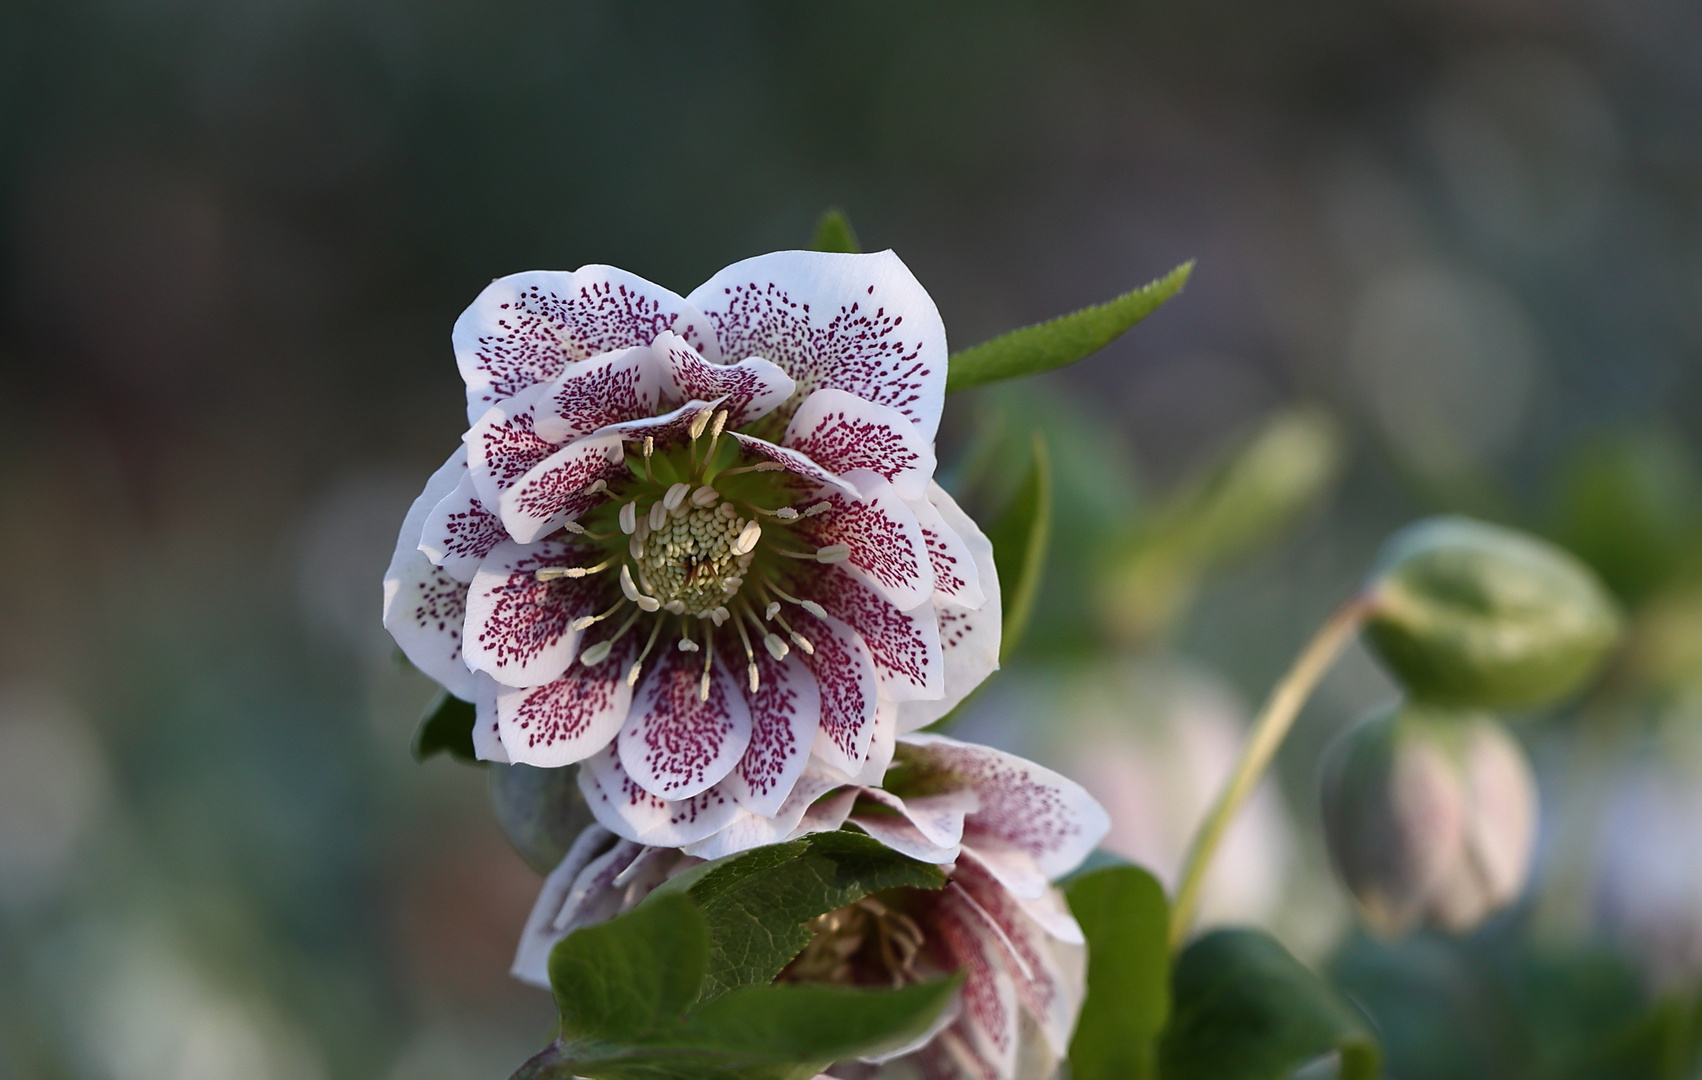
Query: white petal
x,y
797,464
990,1024
532,958
957,575
887,550
487,736
969,640
524,329
849,687
459,532
904,645
751,388
624,808
519,628
785,715
676,743
569,718
1024,808
799,815
844,433
859,323
592,394
503,445
424,607
560,487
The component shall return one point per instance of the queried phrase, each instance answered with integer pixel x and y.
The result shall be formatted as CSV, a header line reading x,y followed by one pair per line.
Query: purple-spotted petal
x,y
525,329
928,827
677,743
459,532
424,607
957,574
804,811
751,388
990,1022
585,873
560,487
842,432
519,629
969,640
845,675
626,809
904,645
503,445
785,715
1045,982
487,738
595,393
572,717
1024,807
887,550
858,323
797,464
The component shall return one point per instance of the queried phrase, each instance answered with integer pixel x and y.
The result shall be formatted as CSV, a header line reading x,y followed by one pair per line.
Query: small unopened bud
x,y
1430,817
1473,614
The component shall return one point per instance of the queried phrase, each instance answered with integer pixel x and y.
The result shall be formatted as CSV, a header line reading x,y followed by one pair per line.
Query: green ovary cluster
x,y
690,559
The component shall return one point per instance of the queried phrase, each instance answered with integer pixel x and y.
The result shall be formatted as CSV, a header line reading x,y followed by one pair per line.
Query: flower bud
x,y
1430,816
540,810
1473,614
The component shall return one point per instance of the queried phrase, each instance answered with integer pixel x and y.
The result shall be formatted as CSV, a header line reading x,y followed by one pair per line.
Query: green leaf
x,y
540,810
446,727
1063,340
1126,918
1244,1009
816,1021
633,975
834,233
756,904
1020,538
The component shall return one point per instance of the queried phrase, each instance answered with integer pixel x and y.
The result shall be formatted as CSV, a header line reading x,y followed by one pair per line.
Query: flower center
x,y
868,943
698,536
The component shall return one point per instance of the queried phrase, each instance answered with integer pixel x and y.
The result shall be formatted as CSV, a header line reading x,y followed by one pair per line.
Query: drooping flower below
x,y
696,541
1004,826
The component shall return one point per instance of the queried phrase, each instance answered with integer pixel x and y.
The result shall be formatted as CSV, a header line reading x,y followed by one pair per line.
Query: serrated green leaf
x,y
1123,913
755,905
1063,340
446,727
834,233
1020,538
1244,1009
633,975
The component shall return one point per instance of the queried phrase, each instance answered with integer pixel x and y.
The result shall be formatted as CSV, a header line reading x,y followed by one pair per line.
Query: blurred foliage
x,y
1126,921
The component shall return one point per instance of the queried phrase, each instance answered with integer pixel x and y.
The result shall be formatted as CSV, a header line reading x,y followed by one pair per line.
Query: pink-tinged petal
x,y
572,717
525,329
785,715
1024,808
564,892
797,464
1014,868
425,608
503,445
487,738
969,640
904,645
804,811
676,743
559,488
670,427
881,745
592,394
519,628
624,808
927,827
845,675
844,433
887,550
898,832
1044,981
990,1023
957,579
858,323
751,388
459,532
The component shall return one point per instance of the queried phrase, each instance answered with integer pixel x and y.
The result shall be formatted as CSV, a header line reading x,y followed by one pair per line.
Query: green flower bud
x,y
1430,817
1473,614
541,811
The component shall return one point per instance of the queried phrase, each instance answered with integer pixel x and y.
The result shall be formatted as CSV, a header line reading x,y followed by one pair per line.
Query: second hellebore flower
x,y
1005,828
697,540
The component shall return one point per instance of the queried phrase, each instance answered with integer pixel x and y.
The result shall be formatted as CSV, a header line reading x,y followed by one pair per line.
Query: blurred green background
x,y
1450,257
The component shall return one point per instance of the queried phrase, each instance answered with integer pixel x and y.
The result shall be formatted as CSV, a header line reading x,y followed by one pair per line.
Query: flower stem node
x,y
1430,817
1472,614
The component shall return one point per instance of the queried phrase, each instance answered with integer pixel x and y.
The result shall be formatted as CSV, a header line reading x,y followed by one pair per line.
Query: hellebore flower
x,y
1430,816
697,540
1005,827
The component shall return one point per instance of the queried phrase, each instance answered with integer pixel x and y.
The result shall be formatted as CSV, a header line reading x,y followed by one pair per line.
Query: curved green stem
x,y
1269,729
